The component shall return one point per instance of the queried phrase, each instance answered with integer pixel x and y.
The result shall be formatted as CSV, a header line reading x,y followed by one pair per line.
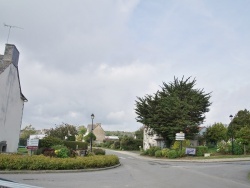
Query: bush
x,y
116,145
129,143
98,151
40,162
223,147
172,154
151,151
107,144
200,150
158,153
49,141
48,152
177,144
164,152
181,153
61,151
238,148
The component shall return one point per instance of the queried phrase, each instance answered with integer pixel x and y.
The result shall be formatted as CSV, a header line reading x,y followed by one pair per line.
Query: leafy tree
x,y
63,131
215,133
241,119
243,135
87,138
27,131
178,106
139,133
81,132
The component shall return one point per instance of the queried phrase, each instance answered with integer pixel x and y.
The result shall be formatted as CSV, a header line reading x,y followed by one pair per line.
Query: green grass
x,y
22,150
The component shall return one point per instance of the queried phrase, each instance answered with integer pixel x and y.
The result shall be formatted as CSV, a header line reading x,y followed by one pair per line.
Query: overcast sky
x,y
80,57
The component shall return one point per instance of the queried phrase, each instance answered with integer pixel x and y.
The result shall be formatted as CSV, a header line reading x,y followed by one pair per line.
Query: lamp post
x,y
232,136
91,135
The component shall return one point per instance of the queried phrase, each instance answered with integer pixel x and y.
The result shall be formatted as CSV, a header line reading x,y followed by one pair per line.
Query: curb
x,y
57,171
205,160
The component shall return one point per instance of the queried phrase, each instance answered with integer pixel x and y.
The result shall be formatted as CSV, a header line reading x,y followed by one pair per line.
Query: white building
x,y
151,139
11,100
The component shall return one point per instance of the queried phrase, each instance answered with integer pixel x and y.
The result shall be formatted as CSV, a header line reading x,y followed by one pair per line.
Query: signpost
x,y
180,136
32,144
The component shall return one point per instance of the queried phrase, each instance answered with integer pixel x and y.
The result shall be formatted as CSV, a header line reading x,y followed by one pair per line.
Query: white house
x,y
11,100
151,139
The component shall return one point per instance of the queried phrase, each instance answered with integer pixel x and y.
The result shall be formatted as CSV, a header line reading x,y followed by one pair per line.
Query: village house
x,y
97,131
11,100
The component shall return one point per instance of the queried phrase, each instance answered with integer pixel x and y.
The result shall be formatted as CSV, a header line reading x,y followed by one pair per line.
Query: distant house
x,y
37,136
111,138
11,100
98,132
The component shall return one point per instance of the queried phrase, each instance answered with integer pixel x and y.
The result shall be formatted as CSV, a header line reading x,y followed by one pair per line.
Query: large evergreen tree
x,y
178,106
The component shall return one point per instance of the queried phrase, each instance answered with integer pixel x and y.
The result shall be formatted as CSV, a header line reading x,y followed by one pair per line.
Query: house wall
x,y
99,133
11,104
151,139
148,139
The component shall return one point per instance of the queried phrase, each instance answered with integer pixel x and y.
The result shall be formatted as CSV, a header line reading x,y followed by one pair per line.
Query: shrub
x,y
200,150
61,151
98,151
177,144
158,153
172,154
116,145
224,147
238,148
107,143
129,143
48,152
164,152
151,151
50,141
40,162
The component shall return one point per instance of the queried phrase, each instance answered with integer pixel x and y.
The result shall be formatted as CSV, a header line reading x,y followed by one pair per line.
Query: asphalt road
x,y
143,172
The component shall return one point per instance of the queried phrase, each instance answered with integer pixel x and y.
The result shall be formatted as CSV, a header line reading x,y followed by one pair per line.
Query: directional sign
x,y
32,142
32,147
180,136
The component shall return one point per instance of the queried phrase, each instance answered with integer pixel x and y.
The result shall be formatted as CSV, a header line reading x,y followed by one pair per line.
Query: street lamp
x,y
232,136
91,135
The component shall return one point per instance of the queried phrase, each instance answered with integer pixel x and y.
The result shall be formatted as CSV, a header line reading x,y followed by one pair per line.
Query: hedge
x,y
40,162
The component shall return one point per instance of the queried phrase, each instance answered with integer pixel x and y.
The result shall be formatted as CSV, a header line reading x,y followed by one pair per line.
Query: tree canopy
x,y
215,133
27,131
241,119
139,133
178,106
63,131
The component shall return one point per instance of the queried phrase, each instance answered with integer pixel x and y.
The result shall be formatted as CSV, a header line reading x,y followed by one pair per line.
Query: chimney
x,y
11,55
